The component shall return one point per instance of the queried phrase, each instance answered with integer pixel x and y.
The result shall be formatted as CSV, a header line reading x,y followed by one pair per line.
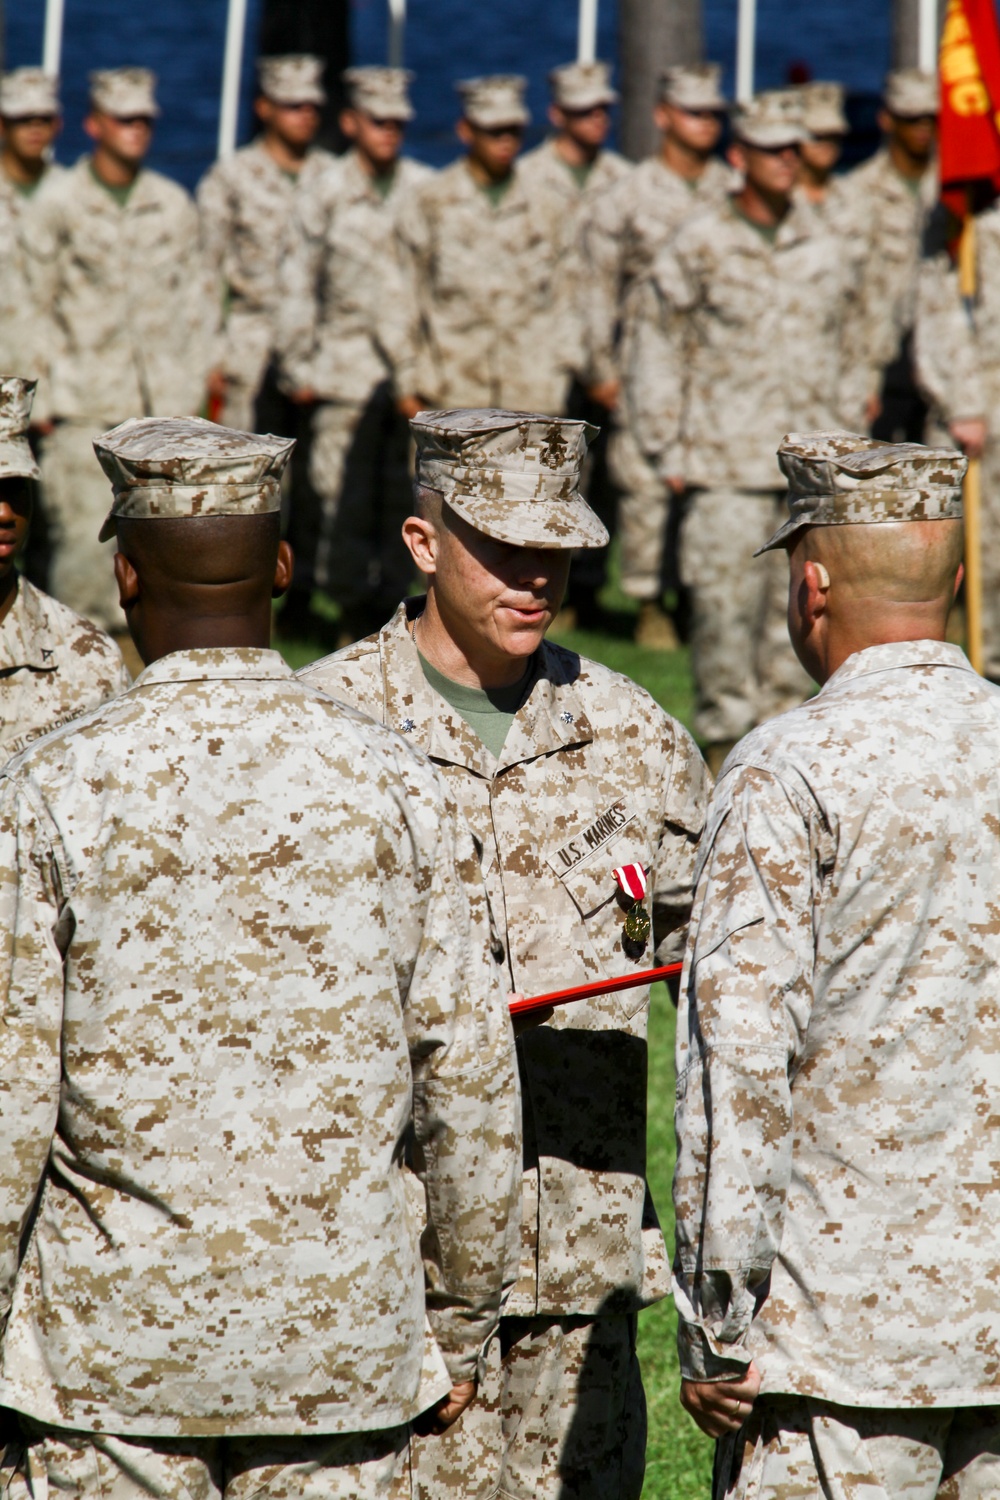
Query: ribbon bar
x,y
597,987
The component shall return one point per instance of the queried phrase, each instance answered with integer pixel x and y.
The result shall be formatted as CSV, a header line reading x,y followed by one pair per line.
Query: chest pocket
x,y
585,865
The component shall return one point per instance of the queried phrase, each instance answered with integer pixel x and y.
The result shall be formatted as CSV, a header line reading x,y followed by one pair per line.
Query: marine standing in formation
x,y
342,323
838,1229
30,118
579,791
124,321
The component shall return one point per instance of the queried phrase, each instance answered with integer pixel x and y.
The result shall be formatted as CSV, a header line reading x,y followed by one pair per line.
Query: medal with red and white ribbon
x,y
631,881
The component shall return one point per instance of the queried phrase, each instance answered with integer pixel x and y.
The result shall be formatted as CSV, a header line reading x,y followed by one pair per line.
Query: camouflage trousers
x,y
561,1415
794,1448
99,1466
744,668
360,469
76,497
643,512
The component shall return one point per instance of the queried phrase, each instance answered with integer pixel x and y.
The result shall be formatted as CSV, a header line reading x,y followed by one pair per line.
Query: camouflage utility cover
x,y
244,955
837,1046
513,475
693,86
54,665
494,100
293,78
25,92
186,466
770,119
16,458
124,92
582,85
910,92
593,775
383,93
842,479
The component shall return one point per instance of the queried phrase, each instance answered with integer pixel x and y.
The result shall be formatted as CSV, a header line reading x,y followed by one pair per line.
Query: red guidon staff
x,y
632,882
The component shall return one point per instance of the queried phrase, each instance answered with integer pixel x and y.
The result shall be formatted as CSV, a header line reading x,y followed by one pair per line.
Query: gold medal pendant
x,y
637,923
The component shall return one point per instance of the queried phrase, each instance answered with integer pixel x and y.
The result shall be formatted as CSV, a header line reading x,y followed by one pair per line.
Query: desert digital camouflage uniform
x,y
246,206
196,883
53,665
836,1057
958,367
126,327
489,326
738,338
621,236
342,317
23,92
593,775
885,215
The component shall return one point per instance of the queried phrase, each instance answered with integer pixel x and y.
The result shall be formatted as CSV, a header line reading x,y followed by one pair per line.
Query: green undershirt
x,y
489,712
497,191
581,173
121,195
382,183
768,232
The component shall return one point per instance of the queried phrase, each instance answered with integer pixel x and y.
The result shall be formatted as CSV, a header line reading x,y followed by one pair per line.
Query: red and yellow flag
x,y
970,101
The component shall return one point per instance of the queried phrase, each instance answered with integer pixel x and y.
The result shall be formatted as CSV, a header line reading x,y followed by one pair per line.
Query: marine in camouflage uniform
x,y
53,665
622,235
885,204
244,955
341,316
826,128
246,205
29,122
836,1048
125,322
743,331
483,259
957,367
569,172
590,775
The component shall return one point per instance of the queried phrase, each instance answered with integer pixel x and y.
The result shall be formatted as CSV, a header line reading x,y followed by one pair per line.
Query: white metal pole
x,y
927,46
52,44
746,39
232,68
397,31
586,36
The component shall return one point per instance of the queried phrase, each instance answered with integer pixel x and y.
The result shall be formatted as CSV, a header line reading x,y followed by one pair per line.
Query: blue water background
x,y
445,40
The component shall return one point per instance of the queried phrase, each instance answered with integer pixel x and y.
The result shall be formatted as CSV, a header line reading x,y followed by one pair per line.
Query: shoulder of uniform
x,y
164,188
353,665
79,635
608,695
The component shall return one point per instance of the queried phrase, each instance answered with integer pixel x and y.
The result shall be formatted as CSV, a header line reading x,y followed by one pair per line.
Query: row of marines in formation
x,y
695,308
287,1207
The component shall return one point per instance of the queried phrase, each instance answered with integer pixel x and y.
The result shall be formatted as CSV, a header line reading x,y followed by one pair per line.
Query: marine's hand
x,y
721,1406
676,484
970,435
873,410
605,393
409,406
216,384
447,1412
305,396
531,1019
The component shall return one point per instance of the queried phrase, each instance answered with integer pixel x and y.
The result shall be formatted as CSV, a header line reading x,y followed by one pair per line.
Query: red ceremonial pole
x,y
596,987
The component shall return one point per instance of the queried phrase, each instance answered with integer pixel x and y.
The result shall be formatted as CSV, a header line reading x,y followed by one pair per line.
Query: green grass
x,y
678,1458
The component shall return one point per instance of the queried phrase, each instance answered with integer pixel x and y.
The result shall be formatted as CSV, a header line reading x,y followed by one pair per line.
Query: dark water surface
x,y
446,40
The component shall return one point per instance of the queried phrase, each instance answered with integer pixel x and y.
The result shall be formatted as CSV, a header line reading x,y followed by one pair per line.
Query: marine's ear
x,y
127,579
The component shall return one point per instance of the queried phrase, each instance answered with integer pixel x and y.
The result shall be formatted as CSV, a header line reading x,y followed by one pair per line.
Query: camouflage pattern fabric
x,y
246,206
191,892
737,341
488,322
796,1448
18,327
53,666
123,299
884,216
561,1415
76,498
102,1466
744,668
835,1057
959,372
551,183
593,775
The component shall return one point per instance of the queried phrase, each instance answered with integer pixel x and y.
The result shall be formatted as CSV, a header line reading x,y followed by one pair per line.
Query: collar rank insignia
x,y
631,881
407,726
46,653
566,716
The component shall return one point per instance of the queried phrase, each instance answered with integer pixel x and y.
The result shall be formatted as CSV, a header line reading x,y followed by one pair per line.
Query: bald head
x,y
199,582
851,587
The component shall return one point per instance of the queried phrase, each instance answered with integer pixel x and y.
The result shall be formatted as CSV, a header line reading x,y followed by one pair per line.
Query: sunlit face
x,y
494,148
15,520
294,124
495,596
772,170
822,152
916,133
126,137
589,128
697,129
29,139
379,140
